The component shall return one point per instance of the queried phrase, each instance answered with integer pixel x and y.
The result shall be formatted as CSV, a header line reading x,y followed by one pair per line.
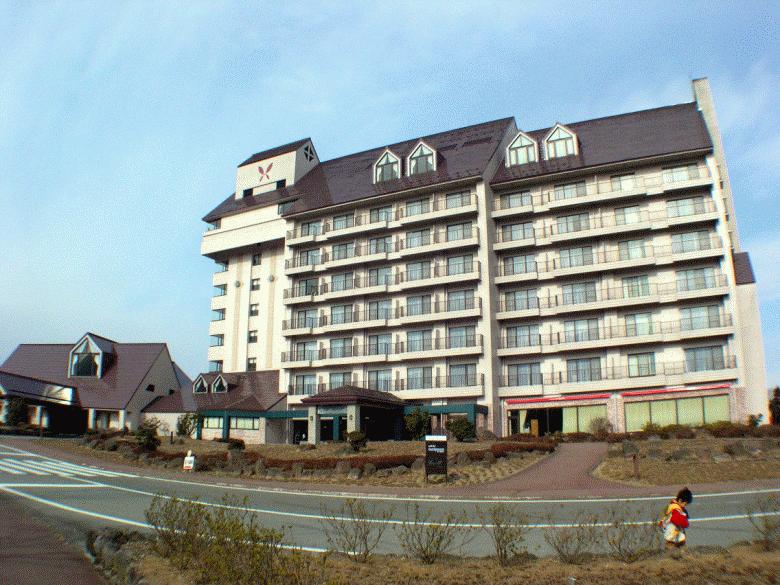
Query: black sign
x,y
435,456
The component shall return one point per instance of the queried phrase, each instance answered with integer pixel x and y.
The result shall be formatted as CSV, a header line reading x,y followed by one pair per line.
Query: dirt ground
x,y
688,461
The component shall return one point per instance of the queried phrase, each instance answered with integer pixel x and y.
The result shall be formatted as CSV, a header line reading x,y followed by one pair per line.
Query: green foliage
x,y
461,428
16,412
357,440
146,434
186,424
774,406
236,444
418,423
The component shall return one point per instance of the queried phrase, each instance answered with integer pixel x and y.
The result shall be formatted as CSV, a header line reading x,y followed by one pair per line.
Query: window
x,y
343,281
690,411
524,374
306,318
254,310
459,231
422,160
691,242
418,305
521,300
685,207
220,290
254,284
215,366
307,286
523,264
343,251
305,384
570,191
379,344
417,238
247,192
578,293
623,182
460,264
251,336
379,309
641,365
517,231
212,422
417,207
215,225
573,223
454,200
200,387
309,257
257,259
377,214
573,257
464,336
581,330
222,266
693,318
339,379
305,350
695,279
244,423
627,215
419,340
343,221
85,360
583,370
631,249
387,168
281,183
681,173
512,200
418,378
522,151
341,314
418,270
700,359
218,315
284,206
380,276
380,245
463,375
636,286
380,379
460,300
639,324
216,340
311,228
341,347
560,143
251,364
523,336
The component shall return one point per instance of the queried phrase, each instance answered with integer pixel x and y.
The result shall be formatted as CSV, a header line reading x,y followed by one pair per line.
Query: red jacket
x,y
679,519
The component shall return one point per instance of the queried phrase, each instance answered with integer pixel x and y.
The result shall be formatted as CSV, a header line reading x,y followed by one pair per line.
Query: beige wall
x,y
163,376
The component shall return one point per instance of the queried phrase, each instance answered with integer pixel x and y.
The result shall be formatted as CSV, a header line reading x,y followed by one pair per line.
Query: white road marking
x,y
9,469
44,467
18,465
50,485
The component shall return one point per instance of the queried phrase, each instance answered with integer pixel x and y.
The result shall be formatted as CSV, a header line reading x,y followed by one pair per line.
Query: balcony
x,y
437,241
517,310
438,311
439,208
418,388
438,348
440,276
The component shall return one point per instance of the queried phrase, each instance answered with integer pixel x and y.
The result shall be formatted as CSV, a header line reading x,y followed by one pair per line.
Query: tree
x,y
186,424
774,406
357,440
461,428
418,422
146,435
17,412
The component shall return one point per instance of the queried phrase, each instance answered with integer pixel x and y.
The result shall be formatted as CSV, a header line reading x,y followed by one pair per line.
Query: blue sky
x,y
121,124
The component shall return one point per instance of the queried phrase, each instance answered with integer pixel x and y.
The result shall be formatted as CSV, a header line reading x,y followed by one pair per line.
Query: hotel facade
x,y
530,280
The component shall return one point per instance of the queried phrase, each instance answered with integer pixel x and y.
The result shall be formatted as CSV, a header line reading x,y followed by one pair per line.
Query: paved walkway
x,y
31,553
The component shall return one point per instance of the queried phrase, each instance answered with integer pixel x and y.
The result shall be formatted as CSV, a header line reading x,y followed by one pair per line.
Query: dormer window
x,y
219,385
422,160
560,142
200,386
86,359
522,150
387,168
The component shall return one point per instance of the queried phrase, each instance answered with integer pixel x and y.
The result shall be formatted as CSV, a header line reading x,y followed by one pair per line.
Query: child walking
x,y
675,519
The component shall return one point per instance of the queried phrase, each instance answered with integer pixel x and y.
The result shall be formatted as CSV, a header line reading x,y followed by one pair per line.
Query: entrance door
x,y
326,429
300,431
549,420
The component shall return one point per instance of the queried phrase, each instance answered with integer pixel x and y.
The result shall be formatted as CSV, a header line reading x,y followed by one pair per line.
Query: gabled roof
x,y
248,391
49,362
614,139
105,344
30,388
463,153
353,395
276,151
743,269
180,401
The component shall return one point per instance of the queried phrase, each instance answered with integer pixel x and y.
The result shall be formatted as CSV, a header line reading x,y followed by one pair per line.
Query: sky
x,y
121,125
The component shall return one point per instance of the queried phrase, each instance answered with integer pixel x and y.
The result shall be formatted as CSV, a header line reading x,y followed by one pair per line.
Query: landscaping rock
x,y
720,458
369,469
630,448
463,458
342,467
756,453
489,458
297,469
399,470
680,455
383,473
321,473
485,435
515,455
655,453
418,464
354,473
111,444
736,449
94,444
654,438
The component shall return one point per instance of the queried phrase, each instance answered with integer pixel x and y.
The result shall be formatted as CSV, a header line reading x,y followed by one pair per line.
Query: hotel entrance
x,y
550,420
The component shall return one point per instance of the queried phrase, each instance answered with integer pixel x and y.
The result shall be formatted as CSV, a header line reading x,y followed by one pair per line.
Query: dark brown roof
x,y
743,269
249,391
352,395
620,138
275,151
462,153
49,362
180,401
24,387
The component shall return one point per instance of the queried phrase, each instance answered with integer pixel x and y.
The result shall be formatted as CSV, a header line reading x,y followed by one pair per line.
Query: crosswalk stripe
x,y
46,466
78,469
10,470
60,468
22,467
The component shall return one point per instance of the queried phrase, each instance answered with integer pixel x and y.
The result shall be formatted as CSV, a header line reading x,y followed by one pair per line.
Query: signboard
x,y
435,455
189,462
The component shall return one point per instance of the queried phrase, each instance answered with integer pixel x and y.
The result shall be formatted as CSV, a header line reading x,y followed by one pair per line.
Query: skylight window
x,y
219,385
387,168
422,160
560,142
522,150
200,387
85,360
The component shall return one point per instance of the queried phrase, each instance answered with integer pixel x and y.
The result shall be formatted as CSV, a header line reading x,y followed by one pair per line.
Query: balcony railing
x,y
399,385
382,348
437,237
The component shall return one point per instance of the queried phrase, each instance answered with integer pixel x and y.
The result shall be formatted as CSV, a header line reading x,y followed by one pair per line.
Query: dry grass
x,y
699,467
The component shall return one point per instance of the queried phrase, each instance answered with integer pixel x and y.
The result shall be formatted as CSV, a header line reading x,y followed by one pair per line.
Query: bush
x,y
577,437
425,539
16,412
418,423
146,435
728,430
507,529
678,431
630,537
461,428
357,440
503,449
179,528
574,543
186,424
768,430
236,444
520,437
600,427
354,531
763,515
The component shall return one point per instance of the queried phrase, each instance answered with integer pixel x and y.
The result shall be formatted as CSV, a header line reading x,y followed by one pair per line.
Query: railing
x,y
439,307
438,204
382,348
399,385
436,237
521,305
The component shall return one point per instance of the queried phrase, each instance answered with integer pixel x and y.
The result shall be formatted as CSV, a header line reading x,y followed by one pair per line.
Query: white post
x,y
263,430
353,418
122,419
314,426
91,418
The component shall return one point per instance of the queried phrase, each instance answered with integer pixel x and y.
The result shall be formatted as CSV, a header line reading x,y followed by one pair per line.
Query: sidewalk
x,y
33,554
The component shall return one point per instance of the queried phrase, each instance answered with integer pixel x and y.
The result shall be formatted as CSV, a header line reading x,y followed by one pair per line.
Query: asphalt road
x,y
93,496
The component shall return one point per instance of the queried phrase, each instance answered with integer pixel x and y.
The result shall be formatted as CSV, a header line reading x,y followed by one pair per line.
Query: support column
x,y
225,426
314,426
39,415
91,418
353,418
199,429
122,419
336,428
263,430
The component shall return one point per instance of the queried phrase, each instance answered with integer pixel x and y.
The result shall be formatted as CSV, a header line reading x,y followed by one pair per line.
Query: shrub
x,y
772,430
502,449
186,424
573,543
418,423
678,431
507,529
728,430
353,531
357,440
461,428
763,515
179,527
236,444
16,412
629,536
146,435
426,539
600,427
519,437
577,437
754,420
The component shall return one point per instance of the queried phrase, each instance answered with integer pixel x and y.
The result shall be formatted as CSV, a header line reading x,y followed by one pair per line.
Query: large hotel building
x,y
527,279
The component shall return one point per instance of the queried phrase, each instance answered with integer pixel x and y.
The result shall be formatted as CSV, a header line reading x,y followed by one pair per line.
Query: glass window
x,y
716,409
418,238
685,207
627,215
222,266
257,259
380,379
522,151
340,314
523,336
663,412
419,377
512,200
524,374
251,336
631,249
251,364
573,223
214,341
215,366
306,318
636,286
641,364
417,207
581,330
379,245
623,182
379,344
523,264
244,423
693,318
307,286
305,350
384,213
520,300
305,384
343,281
343,221
212,422
587,414
311,228
460,300
379,309
254,284
341,347
695,279
691,242
570,191
308,257
464,336
573,257
343,251
459,231
387,168
463,375
284,207
339,379
454,200
583,370
639,324
220,290
254,310
517,231
701,359
418,305
560,143
421,160
418,270
380,276
681,173
637,416
419,340
200,387
690,411
460,264
578,293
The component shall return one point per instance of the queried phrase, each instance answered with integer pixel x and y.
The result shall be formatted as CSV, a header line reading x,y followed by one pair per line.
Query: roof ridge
x,y
622,115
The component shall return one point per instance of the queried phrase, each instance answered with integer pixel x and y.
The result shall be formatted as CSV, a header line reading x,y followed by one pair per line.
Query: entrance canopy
x,y
354,395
